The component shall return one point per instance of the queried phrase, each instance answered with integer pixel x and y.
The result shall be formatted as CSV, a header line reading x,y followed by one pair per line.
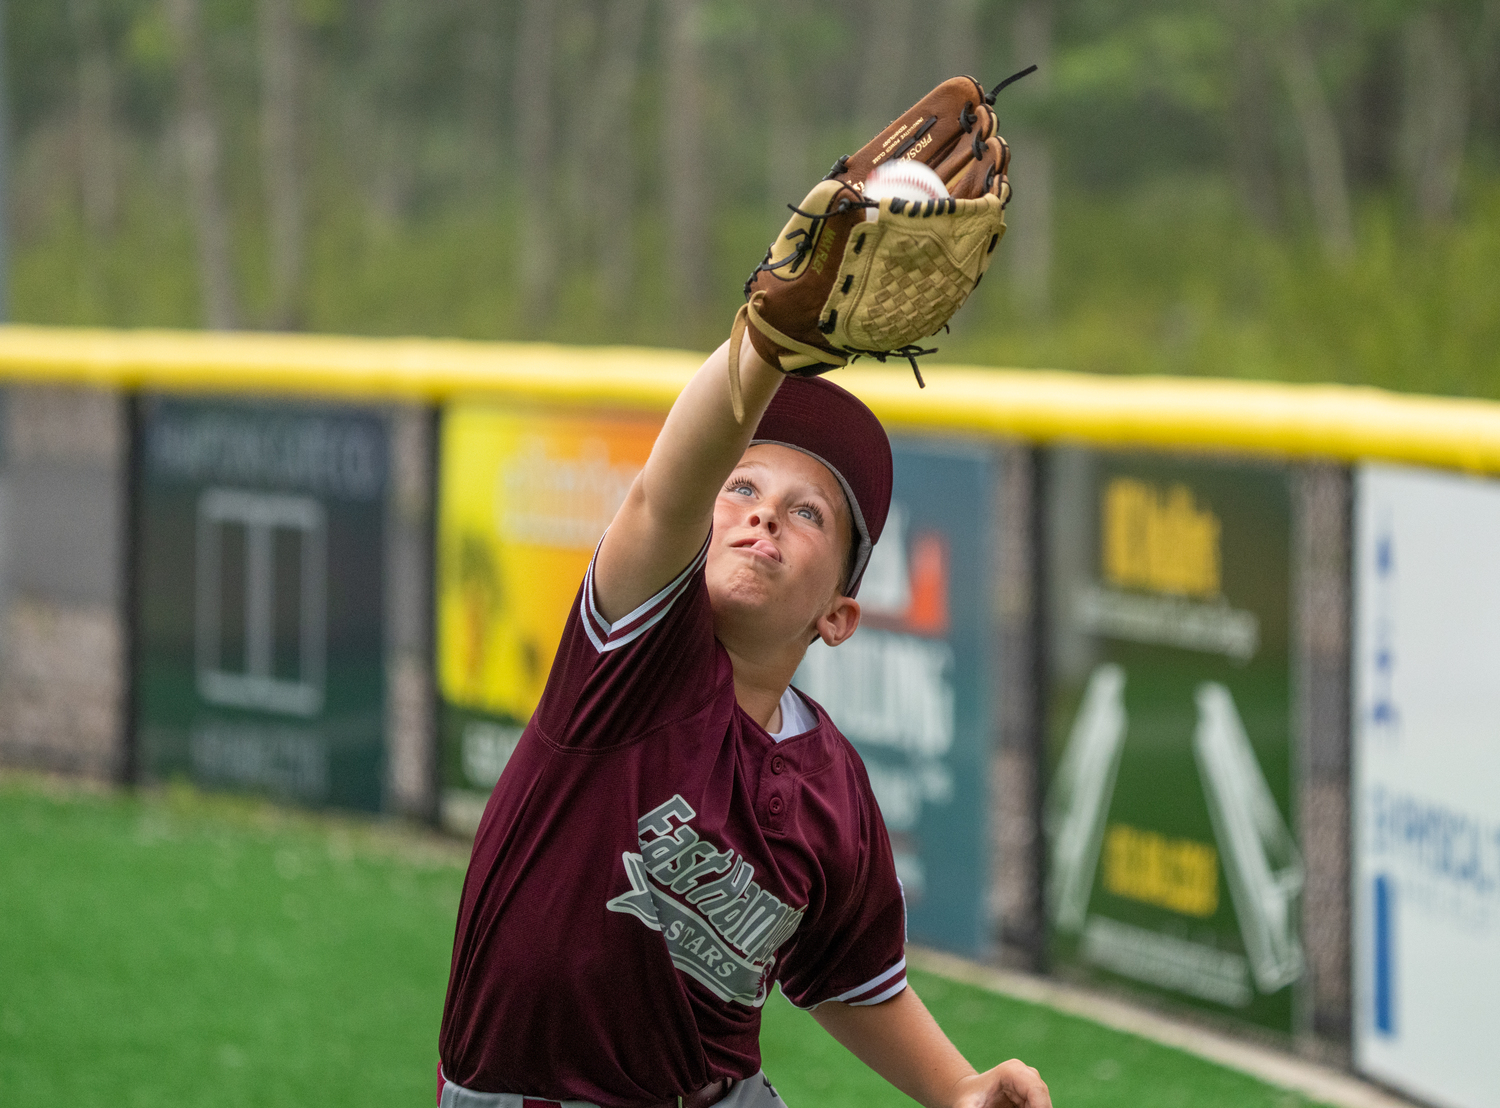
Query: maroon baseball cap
x,y
834,426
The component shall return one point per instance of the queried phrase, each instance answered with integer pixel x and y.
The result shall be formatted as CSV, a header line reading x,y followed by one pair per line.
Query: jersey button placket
x,y
775,814
775,800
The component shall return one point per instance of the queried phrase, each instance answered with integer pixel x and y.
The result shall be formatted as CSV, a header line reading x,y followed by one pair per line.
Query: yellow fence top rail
x,y
1324,421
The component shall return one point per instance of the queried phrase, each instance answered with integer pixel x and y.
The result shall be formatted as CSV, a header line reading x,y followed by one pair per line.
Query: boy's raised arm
x,y
669,508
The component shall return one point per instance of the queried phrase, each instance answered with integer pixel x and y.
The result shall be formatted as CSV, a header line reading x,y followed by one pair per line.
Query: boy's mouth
x,y
764,547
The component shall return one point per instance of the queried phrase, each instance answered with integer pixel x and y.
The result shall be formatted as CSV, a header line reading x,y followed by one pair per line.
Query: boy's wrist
x,y
968,1091
1011,1084
752,379
750,359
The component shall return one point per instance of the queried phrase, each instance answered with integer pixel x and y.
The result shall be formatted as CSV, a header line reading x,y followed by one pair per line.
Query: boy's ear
x,y
839,621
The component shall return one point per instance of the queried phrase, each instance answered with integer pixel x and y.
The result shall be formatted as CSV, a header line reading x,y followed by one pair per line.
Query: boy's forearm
x,y
701,441
670,506
900,1040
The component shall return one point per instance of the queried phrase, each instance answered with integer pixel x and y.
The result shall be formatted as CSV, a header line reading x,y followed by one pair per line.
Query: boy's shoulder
x,y
611,682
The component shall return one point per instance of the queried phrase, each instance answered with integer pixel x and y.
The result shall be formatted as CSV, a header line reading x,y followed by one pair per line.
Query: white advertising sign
x,y
1426,678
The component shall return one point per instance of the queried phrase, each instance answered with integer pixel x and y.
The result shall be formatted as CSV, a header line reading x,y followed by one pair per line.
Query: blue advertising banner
x,y
260,651
912,688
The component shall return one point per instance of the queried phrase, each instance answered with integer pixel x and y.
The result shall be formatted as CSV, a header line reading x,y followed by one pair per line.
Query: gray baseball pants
x,y
753,1092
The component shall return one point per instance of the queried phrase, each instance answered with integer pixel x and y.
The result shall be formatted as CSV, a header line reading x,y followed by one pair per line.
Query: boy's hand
x,y
1011,1084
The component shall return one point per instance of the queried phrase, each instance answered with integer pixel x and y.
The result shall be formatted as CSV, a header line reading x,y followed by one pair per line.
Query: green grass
x,y
180,950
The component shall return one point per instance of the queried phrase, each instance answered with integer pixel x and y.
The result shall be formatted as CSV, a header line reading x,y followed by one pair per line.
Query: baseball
x,y
908,180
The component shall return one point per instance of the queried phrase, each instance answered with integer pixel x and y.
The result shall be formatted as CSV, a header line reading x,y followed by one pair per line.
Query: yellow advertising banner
x,y
523,499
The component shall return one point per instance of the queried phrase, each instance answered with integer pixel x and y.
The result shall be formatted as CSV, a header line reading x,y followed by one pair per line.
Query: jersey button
x,y
775,805
778,764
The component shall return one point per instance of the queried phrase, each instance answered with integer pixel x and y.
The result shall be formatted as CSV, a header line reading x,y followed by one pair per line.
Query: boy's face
x,y
781,539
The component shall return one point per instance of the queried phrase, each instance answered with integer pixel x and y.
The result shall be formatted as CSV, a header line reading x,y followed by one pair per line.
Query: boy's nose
x,y
763,516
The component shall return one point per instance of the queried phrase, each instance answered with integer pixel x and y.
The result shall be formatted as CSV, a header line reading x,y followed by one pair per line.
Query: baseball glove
x,y
838,284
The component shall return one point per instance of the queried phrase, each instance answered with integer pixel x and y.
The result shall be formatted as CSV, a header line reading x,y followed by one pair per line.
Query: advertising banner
x,y
523,499
1173,864
912,689
1426,787
260,582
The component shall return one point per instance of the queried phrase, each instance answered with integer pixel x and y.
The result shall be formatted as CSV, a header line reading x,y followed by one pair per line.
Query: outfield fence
x,y
1180,687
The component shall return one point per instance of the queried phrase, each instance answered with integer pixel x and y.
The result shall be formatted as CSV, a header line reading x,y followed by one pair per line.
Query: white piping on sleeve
x,y
605,635
882,997
880,979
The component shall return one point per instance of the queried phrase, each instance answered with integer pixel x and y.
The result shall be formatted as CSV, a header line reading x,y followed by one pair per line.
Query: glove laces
x,y
804,236
911,352
1012,79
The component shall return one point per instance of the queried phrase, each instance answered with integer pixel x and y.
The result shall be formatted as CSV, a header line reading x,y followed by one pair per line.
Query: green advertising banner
x,y
260,660
1172,860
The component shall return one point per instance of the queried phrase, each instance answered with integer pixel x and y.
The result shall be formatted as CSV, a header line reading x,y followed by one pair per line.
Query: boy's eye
x,y
807,511
743,488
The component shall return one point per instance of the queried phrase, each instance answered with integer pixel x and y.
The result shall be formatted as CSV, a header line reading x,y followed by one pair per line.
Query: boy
x,y
678,829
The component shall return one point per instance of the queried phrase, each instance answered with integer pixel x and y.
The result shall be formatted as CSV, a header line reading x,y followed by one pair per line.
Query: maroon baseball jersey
x,y
650,863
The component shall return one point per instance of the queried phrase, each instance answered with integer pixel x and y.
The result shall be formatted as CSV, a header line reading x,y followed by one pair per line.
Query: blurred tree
x,y
614,145
1029,237
532,96
1251,115
580,47
386,79
890,32
687,180
5,172
199,136
483,76
1434,124
282,156
96,109
956,42
1487,53
1322,146
783,91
